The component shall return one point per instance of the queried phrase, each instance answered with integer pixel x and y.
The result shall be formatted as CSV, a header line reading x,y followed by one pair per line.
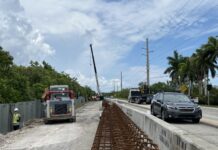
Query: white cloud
x,y
131,78
18,36
113,27
105,84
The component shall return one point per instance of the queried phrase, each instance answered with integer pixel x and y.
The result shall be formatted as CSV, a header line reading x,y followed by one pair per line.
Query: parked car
x,y
172,105
134,95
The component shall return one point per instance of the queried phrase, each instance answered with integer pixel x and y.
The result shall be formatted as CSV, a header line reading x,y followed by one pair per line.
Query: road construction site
x,y
57,135
88,132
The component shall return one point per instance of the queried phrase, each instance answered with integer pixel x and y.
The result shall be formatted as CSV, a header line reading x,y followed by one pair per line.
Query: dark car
x,y
172,105
146,98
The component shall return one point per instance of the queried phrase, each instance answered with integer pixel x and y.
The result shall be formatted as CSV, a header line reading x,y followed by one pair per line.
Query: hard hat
x,y
16,109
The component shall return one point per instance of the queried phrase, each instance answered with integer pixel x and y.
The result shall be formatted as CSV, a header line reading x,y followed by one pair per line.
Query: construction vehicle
x,y
59,103
134,95
99,95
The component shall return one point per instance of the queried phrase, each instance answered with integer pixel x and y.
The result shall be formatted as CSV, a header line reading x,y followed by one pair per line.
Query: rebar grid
x,y
117,132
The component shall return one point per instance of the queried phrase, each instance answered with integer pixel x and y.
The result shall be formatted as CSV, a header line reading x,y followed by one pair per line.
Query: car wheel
x,y
46,121
163,116
138,102
152,111
196,120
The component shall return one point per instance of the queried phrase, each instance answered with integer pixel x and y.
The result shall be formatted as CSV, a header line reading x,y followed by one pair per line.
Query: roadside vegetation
x,y
25,83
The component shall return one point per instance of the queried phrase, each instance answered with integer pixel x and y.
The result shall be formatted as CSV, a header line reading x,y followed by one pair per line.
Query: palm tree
x,y
187,72
196,68
205,62
211,48
173,68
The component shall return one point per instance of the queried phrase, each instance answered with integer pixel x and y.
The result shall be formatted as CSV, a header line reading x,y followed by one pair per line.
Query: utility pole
x,y
121,81
117,87
114,85
147,64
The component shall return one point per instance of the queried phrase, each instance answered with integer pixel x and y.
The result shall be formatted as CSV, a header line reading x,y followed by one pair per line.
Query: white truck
x,y
59,103
134,95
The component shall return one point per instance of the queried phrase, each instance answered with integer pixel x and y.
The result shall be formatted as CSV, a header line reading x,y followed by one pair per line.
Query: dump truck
x,y
59,103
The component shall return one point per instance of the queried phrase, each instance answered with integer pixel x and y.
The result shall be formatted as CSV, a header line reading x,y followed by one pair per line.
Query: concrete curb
x,y
212,108
209,122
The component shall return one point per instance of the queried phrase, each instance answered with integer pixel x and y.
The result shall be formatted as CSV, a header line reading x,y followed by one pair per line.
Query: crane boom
x,y
95,70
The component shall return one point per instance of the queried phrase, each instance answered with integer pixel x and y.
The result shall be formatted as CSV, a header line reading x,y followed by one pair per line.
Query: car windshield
x,y
62,96
58,89
176,98
136,93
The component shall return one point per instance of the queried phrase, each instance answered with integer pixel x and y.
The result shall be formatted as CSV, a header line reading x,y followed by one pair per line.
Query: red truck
x,y
59,103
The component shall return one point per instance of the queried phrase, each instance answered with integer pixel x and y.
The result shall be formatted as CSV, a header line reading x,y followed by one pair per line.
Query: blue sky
x,y
60,32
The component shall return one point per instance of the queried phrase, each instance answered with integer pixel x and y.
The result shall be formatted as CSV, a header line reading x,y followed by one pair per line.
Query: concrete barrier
x,y
165,135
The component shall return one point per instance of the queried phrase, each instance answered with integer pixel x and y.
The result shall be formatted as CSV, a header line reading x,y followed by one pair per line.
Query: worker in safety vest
x,y
16,119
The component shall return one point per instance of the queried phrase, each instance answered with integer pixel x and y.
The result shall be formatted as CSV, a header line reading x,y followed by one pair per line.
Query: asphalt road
x,y
58,135
210,113
202,131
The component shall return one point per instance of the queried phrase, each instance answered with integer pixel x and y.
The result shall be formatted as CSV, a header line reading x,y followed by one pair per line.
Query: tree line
x,y
24,83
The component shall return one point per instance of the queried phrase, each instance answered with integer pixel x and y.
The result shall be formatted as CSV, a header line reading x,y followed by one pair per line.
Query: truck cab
x,y
59,103
134,95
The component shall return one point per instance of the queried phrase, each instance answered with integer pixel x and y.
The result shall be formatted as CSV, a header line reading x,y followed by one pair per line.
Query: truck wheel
x,y
72,119
46,121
